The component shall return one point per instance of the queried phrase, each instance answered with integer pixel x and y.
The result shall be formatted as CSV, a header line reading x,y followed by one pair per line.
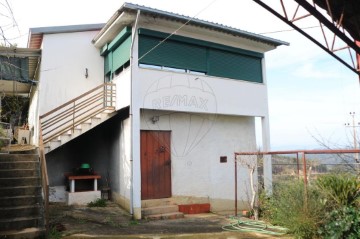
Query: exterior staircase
x,y
77,116
160,209
21,199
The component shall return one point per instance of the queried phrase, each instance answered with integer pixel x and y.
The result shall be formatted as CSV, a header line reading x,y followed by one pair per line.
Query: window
x,y
183,54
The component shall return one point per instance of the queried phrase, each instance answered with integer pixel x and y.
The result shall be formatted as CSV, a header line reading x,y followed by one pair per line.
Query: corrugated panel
x,y
235,66
171,54
121,54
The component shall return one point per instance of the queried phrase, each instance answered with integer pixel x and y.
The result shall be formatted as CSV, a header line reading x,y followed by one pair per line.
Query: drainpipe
x,y
131,117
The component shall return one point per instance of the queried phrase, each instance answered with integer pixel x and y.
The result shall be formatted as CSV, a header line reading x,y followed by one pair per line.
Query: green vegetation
x,y
291,208
339,190
97,203
342,223
329,208
2,134
54,233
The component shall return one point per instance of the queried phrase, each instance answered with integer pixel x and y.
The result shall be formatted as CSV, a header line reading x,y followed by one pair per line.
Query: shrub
x,y
339,190
97,203
289,207
342,223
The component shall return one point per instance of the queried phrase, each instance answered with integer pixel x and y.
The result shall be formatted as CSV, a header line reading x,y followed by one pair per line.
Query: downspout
x,y
131,117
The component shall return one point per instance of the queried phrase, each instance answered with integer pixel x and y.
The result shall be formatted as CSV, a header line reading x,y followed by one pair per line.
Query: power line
x,y
12,15
174,32
287,30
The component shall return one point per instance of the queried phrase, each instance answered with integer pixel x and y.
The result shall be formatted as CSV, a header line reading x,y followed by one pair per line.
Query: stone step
x,y
64,138
16,182
18,173
20,211
159,210
157,202
28,233
20,191
20,223
15,201
19,165
165,216
55,143
18,157
30,151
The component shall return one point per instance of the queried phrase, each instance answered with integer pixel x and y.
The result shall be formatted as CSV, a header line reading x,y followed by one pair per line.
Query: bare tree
x,y
250,162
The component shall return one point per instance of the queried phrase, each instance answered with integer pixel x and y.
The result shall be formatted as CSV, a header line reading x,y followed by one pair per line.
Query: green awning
x,y
14,68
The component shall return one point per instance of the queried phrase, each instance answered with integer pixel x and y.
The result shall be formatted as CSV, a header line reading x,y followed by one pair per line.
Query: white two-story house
x,y
157,103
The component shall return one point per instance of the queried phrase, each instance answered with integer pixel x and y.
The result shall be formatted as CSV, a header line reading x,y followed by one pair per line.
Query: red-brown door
x,y
155,164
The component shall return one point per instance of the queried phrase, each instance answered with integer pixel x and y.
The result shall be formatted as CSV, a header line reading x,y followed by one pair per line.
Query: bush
x,y
97,203
289,207
339,190
342,223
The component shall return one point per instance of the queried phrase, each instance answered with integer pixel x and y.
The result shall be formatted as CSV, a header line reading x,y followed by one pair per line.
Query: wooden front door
x,y
155,164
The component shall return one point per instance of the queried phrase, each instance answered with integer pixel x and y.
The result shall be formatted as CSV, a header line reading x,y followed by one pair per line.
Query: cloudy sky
x,y
310,93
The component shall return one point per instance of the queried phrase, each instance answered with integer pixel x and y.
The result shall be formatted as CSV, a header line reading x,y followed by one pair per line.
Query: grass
x,y
97,203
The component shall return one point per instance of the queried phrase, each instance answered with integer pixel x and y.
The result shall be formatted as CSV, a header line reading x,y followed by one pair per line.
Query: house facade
x,y
187,95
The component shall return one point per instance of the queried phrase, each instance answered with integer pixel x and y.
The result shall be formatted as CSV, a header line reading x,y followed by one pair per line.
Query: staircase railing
x,y
68,116
44,181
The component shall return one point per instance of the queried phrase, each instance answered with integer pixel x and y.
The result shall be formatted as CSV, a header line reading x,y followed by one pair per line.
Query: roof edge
x,y
193,21
67,29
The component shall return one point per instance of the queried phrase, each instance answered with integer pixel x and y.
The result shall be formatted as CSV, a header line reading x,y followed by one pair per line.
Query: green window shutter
x,y
108,63
121,54
171,54
235,66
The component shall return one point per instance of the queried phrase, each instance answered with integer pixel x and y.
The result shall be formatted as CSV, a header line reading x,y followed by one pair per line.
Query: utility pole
x,y
353,126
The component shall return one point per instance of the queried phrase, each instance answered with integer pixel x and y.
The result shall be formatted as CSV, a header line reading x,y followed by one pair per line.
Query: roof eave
x,y
192,21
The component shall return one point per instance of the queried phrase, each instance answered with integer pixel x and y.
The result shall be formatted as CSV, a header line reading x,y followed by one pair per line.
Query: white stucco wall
x,y
121,167
33,117
123,92
233,103
197,142
159,89
64,59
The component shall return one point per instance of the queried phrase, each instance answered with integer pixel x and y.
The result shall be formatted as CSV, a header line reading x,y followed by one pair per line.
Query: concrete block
x,y
82,198
57,194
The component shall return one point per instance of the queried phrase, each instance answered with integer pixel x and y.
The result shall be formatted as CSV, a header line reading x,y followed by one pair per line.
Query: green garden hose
x,y
254,226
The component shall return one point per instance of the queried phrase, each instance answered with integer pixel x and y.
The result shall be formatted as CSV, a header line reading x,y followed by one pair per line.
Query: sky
x,y
310,93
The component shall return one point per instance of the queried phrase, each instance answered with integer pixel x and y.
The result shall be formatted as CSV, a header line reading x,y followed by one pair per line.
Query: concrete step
x,y
157,202
20,223
11,173
28,233
64,138
20,201
30,151
95,121
85,126
159,210
165,216
55,143
19,165
20,191
18,157
19,211
16,182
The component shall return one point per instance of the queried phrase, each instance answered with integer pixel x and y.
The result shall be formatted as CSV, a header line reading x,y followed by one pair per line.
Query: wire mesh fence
x,y
298,167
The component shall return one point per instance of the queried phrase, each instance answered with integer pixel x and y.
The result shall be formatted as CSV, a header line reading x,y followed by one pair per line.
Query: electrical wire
x,y
287,30
174,32
238,225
